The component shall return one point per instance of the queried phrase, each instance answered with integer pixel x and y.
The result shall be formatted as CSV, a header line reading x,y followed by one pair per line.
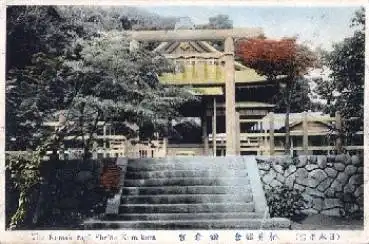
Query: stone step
x,y
186,159
188,216
186,198
186,190
249,224
189,181
184,173
193,165
187,208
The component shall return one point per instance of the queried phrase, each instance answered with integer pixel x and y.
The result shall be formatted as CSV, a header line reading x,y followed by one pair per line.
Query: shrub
x,y
351,209
22,181
285,202
288,161
110,177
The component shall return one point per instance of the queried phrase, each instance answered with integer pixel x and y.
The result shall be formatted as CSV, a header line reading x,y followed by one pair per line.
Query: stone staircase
x,y
189,193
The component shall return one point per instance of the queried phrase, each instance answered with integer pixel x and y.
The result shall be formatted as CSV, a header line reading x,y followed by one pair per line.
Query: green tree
x,y
300,97
53,61
344,90
220,21
117,18
122,85
80,73
37,29
34,94
325,89
39,40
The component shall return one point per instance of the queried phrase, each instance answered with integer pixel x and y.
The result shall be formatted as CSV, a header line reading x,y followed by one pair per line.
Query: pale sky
x,y
317,26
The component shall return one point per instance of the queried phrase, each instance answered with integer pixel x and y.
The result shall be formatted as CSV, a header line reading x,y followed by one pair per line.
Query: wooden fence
x,y
263,139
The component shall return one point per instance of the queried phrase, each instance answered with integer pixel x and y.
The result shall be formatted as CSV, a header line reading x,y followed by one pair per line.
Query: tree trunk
x,y
87,147
81,123
287,126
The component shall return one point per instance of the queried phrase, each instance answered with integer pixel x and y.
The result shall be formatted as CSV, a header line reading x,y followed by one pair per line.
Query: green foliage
x,y
57,64
326,89
187,132
39,41
349,210
299,100
36,29
98,19
220,21
24,175
288,161
34,94
24,171
344,90
284,201
98,78
128,88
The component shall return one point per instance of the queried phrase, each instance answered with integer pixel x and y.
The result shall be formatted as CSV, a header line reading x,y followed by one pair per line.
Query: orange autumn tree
x,y
278,58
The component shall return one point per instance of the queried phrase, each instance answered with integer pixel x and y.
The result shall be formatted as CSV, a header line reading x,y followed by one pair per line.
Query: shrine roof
x,y
295,119
202,50
241,76
207,91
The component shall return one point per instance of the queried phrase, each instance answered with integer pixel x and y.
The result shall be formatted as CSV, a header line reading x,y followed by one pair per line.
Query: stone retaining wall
x,y
332,185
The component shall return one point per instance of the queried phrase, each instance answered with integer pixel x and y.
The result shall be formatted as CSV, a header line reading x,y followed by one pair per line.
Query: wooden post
x,y
260,139
133,45
305,138
126,148
265,137
165,138
104,141
230,108
238,137
271,133
292,149
339,132
214,134
165,146
205,136
60,126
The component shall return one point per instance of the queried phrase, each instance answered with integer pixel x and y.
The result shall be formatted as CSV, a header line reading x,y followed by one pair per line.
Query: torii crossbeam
x,y
195,35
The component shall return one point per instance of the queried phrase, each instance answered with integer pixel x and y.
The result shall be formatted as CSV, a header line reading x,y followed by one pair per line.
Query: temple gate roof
x,y
200,64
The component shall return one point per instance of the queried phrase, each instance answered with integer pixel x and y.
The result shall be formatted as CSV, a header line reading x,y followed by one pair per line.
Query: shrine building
x,y
235,108
203,68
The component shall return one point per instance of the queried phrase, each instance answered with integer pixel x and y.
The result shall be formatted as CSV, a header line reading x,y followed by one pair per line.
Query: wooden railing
x,y
262,140
118,148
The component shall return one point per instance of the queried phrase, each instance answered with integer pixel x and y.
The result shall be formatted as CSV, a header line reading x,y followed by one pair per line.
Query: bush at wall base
x,y
285,202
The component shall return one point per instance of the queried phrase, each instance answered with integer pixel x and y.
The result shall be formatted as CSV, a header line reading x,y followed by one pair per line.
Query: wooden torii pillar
x,y
230,101
228,37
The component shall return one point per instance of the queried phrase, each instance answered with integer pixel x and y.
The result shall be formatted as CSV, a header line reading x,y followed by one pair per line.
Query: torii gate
x,y
228,37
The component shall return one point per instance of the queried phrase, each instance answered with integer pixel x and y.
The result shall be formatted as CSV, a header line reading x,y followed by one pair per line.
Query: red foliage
x,y
275,57
110,177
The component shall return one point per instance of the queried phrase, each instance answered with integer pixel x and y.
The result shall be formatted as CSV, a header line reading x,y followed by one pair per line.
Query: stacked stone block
x,y
332,185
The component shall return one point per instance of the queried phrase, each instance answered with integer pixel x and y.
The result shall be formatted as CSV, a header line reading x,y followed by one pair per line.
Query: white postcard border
x,y
224,236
